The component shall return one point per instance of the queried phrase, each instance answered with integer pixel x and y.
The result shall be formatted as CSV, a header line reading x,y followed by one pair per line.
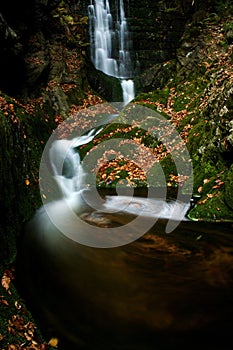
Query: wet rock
x,y
106,86
37,61
154,77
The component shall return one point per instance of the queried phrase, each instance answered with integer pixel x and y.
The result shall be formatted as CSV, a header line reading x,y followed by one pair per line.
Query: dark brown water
x,y
164,291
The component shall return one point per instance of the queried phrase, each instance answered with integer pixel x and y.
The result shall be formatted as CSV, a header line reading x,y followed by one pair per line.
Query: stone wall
x,y
156,28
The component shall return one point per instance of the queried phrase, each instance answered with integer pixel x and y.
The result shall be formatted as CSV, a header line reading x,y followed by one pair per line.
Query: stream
x,y
99,270
122,270
161,291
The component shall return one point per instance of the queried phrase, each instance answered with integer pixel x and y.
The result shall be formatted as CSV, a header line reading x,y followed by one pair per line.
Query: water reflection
x,y
162,291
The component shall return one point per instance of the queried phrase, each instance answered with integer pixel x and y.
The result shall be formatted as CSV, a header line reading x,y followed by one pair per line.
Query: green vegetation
x,y
74,24
198,100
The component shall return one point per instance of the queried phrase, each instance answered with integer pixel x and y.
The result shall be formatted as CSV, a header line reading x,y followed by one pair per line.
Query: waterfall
x,y
72,203
110,44
66,164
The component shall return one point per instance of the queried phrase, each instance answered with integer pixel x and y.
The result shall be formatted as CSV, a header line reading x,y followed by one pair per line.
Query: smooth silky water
x,y
157,292
110,44
160,291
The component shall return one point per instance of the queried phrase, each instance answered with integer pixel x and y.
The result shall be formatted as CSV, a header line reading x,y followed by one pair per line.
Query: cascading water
x,y
148,294
110,44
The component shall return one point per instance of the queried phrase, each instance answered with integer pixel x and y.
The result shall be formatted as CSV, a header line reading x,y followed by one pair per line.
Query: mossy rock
x,y
213,209
22,138
75,96
106,86
155,77
168,166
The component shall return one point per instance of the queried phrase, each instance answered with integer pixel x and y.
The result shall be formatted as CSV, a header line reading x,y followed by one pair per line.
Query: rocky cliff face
x,y
22,136
42,69
28,29
156,27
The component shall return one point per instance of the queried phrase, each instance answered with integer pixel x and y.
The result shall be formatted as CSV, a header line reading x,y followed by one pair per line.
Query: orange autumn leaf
x,y
53,342
205,181
5,281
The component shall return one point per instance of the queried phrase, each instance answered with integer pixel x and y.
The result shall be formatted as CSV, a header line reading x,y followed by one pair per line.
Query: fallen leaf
x,y
205,181
17,322
11,347
6,281
53,342
3,301
27,182
216,186
17,305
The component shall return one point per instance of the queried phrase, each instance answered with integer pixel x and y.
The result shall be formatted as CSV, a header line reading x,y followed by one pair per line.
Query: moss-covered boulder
x,y
106,86
22,139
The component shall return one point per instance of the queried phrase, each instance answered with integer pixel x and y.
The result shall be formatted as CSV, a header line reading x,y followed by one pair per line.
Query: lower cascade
x,y
128,90
110,44
77,196
135,296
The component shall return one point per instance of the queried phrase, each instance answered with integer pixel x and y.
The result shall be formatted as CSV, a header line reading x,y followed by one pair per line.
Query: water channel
x,y
156,292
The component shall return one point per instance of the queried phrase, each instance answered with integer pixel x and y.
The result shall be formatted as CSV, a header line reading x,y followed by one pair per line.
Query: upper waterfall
x,y
110,43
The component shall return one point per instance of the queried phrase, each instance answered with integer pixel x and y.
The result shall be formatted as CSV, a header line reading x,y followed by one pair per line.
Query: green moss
x,y
155,96
75,96
22,137
213,209
229,188
168,167
120,131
